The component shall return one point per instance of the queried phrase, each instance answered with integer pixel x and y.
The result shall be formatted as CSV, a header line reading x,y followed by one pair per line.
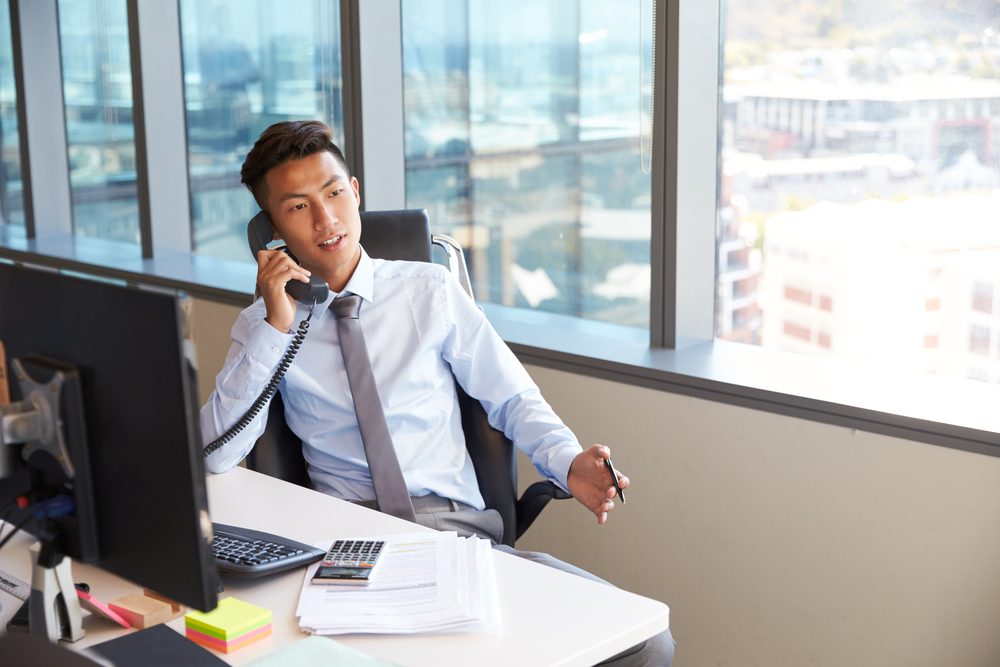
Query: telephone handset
x,y
259,234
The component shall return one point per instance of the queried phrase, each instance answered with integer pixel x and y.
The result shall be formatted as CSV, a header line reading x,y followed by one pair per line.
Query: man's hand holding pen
x,y
594,482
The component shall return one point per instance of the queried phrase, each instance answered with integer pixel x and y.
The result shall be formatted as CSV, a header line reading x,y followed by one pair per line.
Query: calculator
x,y
352,562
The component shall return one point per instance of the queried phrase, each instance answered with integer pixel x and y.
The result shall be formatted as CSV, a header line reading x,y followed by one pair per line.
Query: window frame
x,y
679,354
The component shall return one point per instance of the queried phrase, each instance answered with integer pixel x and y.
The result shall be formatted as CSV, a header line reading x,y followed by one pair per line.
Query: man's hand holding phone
x,y
274,270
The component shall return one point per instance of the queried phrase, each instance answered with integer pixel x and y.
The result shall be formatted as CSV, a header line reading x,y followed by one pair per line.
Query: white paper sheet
x,y
429,582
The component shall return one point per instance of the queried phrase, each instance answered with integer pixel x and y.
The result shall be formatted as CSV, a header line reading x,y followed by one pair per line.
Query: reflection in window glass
x,y
249,64
11,207
97,90
522,127
860,169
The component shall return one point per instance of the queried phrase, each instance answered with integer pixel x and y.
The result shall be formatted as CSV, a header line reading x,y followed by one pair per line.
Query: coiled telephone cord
x,y
269,390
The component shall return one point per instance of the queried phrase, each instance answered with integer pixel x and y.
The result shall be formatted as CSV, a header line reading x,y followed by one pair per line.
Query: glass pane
x,y
615,271
860,198
529,250
609,77
522,146
97,90
249,64
437,106
444,192
523,66
11,207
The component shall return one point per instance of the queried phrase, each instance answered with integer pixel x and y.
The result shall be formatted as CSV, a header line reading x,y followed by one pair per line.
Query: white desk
x,y
548,616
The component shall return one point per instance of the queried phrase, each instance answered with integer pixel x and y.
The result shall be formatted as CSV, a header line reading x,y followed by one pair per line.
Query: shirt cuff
x,y
560,464
267,344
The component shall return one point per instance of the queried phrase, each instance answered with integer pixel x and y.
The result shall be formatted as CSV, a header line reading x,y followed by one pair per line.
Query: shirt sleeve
x,y
489,372
253,358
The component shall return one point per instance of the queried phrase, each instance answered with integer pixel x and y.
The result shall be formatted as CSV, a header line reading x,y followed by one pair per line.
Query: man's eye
x,y
298,207
335,193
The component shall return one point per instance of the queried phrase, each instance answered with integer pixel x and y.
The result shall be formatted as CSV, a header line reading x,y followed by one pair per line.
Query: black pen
x,y
614,478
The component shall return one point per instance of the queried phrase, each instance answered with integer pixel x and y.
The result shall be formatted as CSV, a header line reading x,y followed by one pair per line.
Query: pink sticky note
x,y
95,606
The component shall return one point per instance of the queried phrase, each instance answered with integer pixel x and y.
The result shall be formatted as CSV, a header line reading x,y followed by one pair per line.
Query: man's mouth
x,y
335,239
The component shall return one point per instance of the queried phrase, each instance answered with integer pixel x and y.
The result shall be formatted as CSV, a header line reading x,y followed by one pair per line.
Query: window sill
x,y
960,414
926,408
210,278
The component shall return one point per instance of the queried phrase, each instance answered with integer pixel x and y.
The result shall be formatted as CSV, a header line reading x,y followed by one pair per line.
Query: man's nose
x,y
323,217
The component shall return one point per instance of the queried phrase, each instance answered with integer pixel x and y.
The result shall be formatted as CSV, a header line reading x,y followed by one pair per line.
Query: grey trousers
x,y
445,514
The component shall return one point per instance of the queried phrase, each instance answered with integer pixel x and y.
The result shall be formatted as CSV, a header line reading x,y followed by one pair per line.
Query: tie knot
x,y
346,307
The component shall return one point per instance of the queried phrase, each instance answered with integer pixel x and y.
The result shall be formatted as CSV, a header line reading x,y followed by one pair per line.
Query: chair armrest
x,y
533,501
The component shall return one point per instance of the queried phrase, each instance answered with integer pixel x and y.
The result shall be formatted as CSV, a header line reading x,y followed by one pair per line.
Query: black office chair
x,y
278,452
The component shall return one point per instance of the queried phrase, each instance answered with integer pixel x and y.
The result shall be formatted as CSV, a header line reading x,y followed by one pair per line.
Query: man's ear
x,y
275,234
356,188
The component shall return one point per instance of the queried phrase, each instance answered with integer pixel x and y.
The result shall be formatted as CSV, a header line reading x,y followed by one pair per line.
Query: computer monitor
x,y
147,475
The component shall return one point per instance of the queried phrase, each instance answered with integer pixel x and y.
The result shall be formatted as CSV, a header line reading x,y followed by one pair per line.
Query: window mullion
x,y
696,163
663,239
685,174
158,102
350,50
41,117
381,53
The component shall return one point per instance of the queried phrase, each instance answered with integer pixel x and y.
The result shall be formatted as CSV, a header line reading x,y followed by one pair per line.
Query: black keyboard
x,y
246,553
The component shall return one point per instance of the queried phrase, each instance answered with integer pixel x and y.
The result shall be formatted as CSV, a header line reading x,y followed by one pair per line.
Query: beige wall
x,y
212,324
780,542
775,541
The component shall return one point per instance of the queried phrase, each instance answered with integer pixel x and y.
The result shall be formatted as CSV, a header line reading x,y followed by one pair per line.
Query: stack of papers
x,y
428,582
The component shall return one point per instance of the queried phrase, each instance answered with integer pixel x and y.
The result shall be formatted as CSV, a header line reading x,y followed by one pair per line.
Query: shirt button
x,y
275,350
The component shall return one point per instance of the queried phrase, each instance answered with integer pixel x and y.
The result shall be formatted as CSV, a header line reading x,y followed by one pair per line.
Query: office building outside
x,y
860,167
884,283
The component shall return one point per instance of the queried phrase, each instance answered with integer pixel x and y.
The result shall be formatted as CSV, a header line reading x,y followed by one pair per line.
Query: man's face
x,y
313,207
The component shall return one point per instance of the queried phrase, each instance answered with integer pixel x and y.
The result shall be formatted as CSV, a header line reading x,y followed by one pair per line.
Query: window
x,y
798,294
737,260
979,340
797,331
743,289
982,297
521,127
97,90
249,64
878,152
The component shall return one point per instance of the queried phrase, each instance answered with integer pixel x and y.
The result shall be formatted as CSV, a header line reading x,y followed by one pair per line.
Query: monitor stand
x,y
40,423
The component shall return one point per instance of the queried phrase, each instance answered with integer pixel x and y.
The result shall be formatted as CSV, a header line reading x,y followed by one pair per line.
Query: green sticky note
x,y
231,619
319,651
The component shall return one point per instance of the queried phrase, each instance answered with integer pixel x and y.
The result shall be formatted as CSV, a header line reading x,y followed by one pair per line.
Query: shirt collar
x,y
363,279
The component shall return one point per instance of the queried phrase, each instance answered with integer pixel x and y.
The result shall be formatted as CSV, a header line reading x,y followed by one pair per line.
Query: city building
x,y
930,124
886,283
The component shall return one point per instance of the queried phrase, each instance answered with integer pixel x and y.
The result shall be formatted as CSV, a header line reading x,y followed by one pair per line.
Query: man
x,y
420,330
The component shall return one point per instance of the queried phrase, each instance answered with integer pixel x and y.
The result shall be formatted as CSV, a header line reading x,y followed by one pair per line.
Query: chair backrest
x,y
278,452
397,234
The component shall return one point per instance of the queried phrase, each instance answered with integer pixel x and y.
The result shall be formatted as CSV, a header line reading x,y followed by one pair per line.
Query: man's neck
x,y
338,278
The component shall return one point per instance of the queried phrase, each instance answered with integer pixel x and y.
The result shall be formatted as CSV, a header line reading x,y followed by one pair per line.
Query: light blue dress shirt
x,y
421,330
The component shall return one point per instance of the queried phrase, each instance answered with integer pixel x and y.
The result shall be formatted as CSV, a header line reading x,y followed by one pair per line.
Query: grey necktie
x,y
387,477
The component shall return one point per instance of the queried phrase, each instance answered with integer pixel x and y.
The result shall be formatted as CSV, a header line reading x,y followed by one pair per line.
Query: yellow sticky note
x,y
231,619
